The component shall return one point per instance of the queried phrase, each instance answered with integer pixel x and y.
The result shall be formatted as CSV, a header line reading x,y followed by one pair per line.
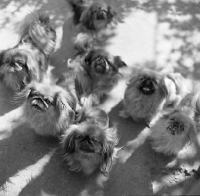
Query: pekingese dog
x,y
147,93
39,34
96,73
49,109
173,131
19,67
89,145
92,16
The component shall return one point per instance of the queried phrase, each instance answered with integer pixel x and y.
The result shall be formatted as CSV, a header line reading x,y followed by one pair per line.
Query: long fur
x,y
58,107
90,144
169,138
96,73
142,107
39,33
18,67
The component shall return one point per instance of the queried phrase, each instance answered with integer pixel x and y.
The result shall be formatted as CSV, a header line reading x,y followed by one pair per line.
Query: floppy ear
x,y
107,157
111,12
65,108
192,133
163,89
68,141
87,19
2,52
118,62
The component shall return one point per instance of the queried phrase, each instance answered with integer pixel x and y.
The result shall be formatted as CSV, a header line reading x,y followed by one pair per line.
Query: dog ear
x,y
163,89
87,19
107,156
65,107
111,12
2,52
192,132
68,141
118,62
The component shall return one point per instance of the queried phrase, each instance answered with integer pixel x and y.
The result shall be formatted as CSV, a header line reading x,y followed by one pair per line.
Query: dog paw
x,y
123,114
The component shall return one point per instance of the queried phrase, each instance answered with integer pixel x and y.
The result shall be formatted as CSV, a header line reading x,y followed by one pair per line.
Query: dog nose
x,y
148,82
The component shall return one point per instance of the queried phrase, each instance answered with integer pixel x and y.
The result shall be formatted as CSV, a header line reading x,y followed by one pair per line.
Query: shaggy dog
x,y
173,131
89,145
149,92
49,109
96,73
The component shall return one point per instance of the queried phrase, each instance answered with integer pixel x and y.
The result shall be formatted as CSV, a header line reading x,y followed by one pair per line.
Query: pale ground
x,y
165,32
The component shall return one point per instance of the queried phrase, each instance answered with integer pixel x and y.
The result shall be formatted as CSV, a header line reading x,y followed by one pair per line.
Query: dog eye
x,y
47,101
181,128
79,137
6,61
154,81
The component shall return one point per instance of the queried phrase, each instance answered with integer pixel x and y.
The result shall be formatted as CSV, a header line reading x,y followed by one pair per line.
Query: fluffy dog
x,y
92,16
39,34
18,67
89,145
149,92
96,73
173,131
49,109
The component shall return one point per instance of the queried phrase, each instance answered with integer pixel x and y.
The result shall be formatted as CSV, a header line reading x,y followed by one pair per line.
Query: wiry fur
x,y
94,78
142,107
171,142
59,109
18,67
90,144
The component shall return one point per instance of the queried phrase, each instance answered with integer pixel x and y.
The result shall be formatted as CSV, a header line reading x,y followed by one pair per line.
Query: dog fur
x,y
49,109
89,145
143,107
96,73
173,131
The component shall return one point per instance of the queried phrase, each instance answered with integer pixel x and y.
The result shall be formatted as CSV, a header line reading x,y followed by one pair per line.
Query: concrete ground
x,y
148,31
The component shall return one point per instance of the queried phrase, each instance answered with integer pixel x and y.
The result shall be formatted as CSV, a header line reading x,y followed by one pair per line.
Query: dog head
x,y
39,33
179,123
149,82
93,139
97,16
98,62
18,67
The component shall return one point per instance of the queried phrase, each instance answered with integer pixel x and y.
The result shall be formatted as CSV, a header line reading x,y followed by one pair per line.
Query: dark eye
x,y
181,128
154,81
20,63
79,137
6,61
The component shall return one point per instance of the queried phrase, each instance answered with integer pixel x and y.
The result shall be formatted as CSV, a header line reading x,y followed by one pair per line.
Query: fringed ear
x,y
68,140
107,157
111,13
2,52
192,133
163,89
65,106
87,19
118,62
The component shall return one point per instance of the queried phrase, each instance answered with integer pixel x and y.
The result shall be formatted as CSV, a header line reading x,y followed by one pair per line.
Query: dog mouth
x,y
175,127
147,87
39,102
101,15
101,65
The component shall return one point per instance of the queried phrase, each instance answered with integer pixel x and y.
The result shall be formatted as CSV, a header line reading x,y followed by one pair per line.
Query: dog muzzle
x,y
147,87
175,128
87,146
101,65
101,15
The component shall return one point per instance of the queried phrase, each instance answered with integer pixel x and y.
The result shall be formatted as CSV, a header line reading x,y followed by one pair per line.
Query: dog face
x,y
89,145
40,34
173,131
97,16
145,95
18,68
49,109
148,82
